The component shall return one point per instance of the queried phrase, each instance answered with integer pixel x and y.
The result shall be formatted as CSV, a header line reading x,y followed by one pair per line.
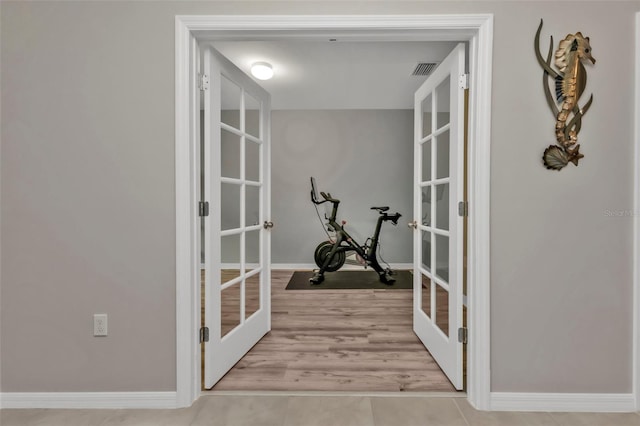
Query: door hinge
x,y
463,208
462,335
203,82
463,81
203,208
204,334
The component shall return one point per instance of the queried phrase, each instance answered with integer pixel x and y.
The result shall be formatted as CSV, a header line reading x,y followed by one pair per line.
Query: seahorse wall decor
x,y
570,80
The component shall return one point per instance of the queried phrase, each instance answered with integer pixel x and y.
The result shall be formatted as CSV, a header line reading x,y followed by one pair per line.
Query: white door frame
x,y
477,29
636,225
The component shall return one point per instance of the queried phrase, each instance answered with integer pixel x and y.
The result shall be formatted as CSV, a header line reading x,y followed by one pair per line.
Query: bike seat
x,y
380,209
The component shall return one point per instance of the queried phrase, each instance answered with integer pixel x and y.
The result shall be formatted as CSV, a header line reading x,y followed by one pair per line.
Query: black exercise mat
x,y
350,280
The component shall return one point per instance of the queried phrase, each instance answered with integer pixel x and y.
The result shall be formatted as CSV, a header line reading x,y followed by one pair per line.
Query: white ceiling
x,y
338,75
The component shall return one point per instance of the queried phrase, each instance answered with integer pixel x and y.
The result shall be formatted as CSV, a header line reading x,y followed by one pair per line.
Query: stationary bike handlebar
x,y
392,217
328,197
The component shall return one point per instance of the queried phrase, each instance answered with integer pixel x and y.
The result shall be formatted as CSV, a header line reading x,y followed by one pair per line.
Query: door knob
x,y
267,225
413,225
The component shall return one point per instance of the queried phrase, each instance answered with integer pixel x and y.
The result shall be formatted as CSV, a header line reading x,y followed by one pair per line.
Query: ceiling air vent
x,y
424,68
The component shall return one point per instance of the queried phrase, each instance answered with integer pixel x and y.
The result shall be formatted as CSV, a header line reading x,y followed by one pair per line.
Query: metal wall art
x,y
569,80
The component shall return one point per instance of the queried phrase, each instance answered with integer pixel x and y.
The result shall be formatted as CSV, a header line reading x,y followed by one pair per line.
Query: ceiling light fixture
x,y
262,70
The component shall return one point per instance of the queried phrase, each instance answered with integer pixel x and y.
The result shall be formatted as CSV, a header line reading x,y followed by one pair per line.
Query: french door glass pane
x,y
251,115
230,94
252,295
230,306
252,161
252,250
229,205
230,154
426,205
442,102
442,309
230,257
426,250
442,206
426,295
426,161
442,154
442,257
426,115
252,205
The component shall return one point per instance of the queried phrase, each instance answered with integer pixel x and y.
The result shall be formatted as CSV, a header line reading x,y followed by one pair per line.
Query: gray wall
x,y
362,157
87,175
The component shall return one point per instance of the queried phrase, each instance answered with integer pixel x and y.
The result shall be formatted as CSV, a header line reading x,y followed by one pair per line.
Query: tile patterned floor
x,y
279,410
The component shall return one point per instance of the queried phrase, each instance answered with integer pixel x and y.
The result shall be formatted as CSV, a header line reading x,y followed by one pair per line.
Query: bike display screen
x,y
314,190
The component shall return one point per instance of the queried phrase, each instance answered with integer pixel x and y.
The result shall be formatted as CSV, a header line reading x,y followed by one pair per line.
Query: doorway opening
x,y
474,29
341,115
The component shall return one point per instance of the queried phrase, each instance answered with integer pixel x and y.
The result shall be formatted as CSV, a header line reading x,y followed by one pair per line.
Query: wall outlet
x,y
100,324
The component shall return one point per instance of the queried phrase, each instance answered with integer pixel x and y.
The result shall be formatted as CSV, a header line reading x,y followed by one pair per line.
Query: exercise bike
x,y
331,255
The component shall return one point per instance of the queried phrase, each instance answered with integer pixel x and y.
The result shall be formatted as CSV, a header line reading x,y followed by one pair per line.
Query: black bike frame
x,y
370,254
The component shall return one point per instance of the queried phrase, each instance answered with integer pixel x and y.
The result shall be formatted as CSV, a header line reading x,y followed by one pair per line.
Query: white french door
x,y
438,188
236,237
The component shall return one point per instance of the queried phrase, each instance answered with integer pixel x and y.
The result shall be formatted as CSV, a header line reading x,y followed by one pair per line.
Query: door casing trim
x,y
477,29
636,225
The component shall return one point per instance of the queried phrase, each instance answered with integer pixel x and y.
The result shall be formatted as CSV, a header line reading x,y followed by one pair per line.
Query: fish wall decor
x,y
569,81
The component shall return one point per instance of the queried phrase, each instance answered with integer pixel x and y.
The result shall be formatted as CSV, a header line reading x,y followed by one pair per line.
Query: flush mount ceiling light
x,y
262,70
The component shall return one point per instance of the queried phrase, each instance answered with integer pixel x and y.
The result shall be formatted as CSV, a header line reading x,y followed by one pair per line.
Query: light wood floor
x,y
337,340
225,410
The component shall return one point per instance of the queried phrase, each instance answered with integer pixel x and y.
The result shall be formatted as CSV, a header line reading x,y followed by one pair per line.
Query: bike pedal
x,y
316,279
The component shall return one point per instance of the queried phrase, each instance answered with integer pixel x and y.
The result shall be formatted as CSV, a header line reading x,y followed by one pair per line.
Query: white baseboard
x,y
293,266
569,402
309,266
88,400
